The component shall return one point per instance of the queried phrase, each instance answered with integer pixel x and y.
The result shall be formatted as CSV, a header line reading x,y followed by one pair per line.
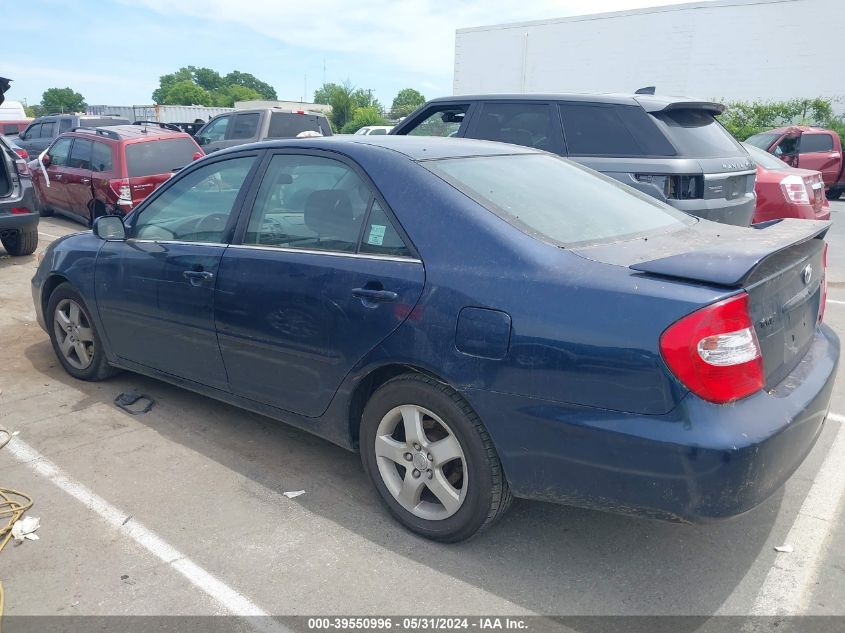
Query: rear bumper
x,y
18,222
701,462
738,212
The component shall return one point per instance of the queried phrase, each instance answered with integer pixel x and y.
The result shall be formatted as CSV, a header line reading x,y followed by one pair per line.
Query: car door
x,y
155,290
322,275
55,196
817,151
77,179
213,136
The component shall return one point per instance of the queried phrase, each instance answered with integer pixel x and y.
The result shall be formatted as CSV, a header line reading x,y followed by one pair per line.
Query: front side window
x,y
80,154
33,131
555,200
196,208
216,130
47,129
59,152
816,143
309,202
64,125
245,126
442,121
763,140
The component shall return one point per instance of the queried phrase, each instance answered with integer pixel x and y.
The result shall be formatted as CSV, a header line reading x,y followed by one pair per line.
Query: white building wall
x,y
725,50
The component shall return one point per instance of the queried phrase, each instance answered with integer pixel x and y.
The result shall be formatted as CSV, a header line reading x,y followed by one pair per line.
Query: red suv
x,y
88,172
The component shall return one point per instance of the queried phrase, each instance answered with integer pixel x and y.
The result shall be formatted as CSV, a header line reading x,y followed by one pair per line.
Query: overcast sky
x,y
113,51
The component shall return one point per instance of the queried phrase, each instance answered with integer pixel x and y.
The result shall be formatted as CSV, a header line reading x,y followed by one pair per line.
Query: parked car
x,y
807,148
17,149
480,320
368,130
249,126
18,219
786,192
671,148
89,172
44,129
10,127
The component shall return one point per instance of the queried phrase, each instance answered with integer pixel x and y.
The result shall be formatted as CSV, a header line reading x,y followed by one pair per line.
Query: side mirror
x,y
110,228
202,140
197,155
45,160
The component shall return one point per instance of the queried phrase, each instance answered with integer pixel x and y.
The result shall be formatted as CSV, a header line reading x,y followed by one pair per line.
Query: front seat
x,y
329,213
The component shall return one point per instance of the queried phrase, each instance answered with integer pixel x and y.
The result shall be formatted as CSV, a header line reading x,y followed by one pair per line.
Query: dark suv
x,y
249,126
44,129
671,148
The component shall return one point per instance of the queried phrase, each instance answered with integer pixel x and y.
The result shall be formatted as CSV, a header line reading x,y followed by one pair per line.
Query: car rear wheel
x,y
21,242
75,340
431,459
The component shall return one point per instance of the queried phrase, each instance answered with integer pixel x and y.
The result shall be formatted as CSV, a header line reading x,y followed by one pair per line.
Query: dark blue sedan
x,y
481,321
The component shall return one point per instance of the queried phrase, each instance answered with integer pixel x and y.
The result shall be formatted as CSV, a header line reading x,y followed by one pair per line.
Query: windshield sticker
x,y
376,237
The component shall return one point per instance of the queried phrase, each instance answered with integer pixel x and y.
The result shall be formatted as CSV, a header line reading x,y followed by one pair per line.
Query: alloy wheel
x,y
74,334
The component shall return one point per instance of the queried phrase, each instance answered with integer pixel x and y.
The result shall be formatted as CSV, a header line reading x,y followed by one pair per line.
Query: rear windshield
x,y
158,157
763,141
555,200
288,125
697,134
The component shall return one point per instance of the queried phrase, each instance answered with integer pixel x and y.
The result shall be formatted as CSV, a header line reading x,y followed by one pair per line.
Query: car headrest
x,y
328,212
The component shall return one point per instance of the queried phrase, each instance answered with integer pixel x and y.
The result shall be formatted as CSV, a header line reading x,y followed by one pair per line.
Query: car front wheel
x,y
431,459
75,340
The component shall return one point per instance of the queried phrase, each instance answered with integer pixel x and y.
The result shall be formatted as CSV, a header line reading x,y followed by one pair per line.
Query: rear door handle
x,y
196,277
371,294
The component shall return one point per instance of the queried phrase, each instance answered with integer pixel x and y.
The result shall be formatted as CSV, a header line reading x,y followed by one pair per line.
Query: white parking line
x,y
55,237
230,599
789,583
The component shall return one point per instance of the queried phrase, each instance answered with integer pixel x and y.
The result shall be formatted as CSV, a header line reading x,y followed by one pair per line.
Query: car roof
x,y
128,132
651,103
412,147
795,128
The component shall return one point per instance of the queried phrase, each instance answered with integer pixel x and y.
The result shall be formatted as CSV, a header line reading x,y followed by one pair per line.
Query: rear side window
x,y
64,125
158,157
528,124
288,125
47,130
611,130
442,121
245,126
555,200
80,154
815,143
101,157
697,134
380,237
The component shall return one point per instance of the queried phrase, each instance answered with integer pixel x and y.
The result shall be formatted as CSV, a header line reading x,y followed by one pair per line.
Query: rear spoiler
x,y
662,104
732,259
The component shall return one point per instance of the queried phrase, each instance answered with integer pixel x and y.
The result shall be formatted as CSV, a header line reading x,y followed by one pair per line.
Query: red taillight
x,y
714,351
823,300
20,210
121,189
20,151
795,190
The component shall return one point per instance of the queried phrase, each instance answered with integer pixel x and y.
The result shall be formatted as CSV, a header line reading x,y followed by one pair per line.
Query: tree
x,y
187,93
743,119
368,115
324,93
264,90
32,111
366,99
219,90
340,98
405,102
62,100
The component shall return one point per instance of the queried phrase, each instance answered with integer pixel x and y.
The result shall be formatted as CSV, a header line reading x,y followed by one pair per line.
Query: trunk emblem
x,y
807,274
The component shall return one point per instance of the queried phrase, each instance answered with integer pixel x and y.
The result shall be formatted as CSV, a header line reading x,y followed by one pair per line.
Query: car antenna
x,y
648,90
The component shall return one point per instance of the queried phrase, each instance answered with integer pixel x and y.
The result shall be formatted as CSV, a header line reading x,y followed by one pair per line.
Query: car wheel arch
x,y
47,289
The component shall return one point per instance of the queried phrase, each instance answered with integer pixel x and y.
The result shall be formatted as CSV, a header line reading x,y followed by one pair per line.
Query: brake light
x,y
20,151
20,210
823,301
714,351
795,190
120,187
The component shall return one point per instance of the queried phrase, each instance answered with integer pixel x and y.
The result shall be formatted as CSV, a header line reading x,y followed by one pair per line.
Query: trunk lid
x,y
779,264
142,186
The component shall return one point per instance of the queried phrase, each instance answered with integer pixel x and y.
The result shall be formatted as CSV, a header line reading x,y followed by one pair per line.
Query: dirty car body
x,y
559,330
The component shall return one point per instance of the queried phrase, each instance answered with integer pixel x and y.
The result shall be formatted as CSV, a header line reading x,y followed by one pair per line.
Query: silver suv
x,y
671,148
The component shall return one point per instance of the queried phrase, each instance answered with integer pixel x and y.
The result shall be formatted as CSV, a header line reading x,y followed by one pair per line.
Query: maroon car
x,y
89,172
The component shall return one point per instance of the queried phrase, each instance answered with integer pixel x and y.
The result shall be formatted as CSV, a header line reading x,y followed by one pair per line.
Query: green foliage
x,y
744,119
369,115
32,111
62,100
347,102
210,88
405,102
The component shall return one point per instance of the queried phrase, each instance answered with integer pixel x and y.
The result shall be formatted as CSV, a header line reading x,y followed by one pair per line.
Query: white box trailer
x,y
161,113
721,50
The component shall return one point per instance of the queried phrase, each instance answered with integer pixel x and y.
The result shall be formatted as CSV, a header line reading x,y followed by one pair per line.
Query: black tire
x,y
43,210
97,209
487,497
21,242
98,369
834,195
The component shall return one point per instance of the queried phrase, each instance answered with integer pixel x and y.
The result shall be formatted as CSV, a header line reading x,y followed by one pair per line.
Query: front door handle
x,y
86,181
371,294
196,277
